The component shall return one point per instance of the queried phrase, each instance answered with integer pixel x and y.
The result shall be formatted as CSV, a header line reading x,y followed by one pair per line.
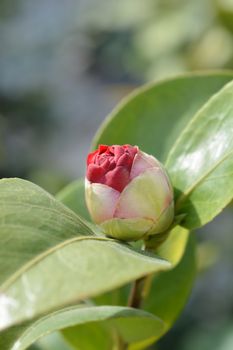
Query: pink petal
x,y
101,201
124,160
142,162
145,196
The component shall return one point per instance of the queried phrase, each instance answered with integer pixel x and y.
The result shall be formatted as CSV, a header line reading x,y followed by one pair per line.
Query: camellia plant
x,y
118,274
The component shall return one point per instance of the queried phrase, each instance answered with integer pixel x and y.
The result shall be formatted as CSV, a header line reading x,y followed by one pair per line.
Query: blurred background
x,y
65,64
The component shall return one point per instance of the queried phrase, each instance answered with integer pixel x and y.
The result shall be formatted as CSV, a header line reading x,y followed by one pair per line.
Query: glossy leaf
x,y
31,222
131,324
53,341
174,246
201,162
153,116
51,264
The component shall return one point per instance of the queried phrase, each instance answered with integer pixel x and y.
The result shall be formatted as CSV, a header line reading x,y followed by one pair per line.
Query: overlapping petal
x,y
101,201
146,196
142,162
132,198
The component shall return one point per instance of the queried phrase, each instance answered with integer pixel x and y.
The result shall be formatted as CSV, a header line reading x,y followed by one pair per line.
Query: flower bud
x,y
128,192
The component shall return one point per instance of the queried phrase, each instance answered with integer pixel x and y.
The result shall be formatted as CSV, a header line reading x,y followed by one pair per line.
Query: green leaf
x,y
49,258
131,324
174,246
53,341
153,116
10,339
31,221
201,162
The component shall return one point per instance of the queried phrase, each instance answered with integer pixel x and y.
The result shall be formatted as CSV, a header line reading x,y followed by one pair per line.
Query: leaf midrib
x,y
68,214
190,189
42,255
130,312
198,115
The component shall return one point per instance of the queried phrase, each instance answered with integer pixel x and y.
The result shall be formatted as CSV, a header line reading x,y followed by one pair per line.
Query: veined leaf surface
x,y
201,162
50,258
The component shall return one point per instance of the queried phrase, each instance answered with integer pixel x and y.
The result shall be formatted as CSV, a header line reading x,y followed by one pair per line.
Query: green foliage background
x,y
53,261
50,70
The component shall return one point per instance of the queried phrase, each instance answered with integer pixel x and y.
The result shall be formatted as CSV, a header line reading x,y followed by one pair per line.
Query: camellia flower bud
x,y
128,192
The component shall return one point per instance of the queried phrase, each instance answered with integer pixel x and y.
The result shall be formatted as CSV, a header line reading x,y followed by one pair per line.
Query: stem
x,y
140,288
136,294
139,291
